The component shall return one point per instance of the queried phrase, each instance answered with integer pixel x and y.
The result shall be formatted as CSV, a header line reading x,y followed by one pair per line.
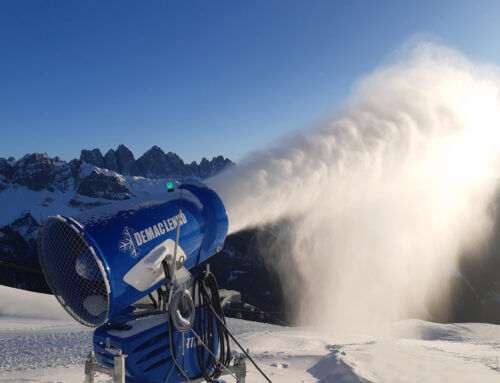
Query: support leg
x,y
119,370
89,371
240,369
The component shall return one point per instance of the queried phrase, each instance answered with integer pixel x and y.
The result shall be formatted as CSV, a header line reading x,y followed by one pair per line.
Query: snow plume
x,y
381,201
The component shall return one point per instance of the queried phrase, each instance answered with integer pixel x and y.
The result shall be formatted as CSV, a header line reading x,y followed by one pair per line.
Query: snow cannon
x,y
100,263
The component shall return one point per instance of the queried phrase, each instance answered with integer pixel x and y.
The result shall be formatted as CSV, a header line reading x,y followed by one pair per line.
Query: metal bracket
x,y
240,369
117,373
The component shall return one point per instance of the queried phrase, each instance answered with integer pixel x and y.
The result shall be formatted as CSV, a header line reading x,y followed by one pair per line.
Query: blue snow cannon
x,y
102,266
100,263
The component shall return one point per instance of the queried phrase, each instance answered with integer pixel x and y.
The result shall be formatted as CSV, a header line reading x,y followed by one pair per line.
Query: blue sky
x,y
202,78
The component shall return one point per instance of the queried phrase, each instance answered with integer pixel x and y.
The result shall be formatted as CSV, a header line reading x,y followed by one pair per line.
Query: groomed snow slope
x,y
39,342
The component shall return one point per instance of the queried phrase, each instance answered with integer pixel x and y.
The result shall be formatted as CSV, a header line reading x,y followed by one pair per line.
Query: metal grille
x,y
73,272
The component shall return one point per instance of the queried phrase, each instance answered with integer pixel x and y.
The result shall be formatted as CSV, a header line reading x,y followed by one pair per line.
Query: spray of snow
x,y
381,200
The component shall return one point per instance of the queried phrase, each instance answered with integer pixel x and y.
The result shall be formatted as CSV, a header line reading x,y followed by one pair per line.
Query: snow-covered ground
x,y
39,342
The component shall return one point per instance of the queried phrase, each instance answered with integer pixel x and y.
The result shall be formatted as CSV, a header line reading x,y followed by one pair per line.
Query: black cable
x,y
172,348
211,334
153,300
223,324
211,325
209,330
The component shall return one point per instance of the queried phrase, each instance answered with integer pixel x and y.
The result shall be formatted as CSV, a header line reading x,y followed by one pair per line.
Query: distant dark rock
x,y
12,245
40,172
204,167
75,167
208,168
93,157
154,163
121,161
36,171
110,161
5,168
18,238
98,185
81,205
18,255
126,161
176,164
219,163
26,225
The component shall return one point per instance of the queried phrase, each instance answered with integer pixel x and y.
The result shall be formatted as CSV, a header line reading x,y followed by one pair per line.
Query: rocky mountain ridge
x,y
154,163
108,177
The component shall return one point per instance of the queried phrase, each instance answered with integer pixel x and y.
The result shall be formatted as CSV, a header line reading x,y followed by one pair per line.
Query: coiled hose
x,y
207,327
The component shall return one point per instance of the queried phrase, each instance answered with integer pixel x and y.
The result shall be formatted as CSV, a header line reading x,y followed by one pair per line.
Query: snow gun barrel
x,y
100,263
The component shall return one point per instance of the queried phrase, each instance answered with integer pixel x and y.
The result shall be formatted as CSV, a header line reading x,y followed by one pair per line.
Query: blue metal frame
x,y
145,342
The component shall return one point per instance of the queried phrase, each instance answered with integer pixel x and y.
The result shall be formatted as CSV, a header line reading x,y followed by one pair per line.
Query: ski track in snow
x,y
39,342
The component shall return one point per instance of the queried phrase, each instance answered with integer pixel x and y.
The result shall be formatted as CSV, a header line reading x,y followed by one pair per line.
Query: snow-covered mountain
x,y
39,342
115,176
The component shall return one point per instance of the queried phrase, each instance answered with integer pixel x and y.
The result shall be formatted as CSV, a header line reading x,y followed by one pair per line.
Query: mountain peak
x,y
126,161
93,157
110,161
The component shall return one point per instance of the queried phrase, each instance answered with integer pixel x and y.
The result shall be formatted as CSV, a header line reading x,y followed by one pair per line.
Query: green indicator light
x,y
170,187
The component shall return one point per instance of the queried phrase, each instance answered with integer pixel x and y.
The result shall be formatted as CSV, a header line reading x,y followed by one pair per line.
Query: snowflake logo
x,y
127,244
